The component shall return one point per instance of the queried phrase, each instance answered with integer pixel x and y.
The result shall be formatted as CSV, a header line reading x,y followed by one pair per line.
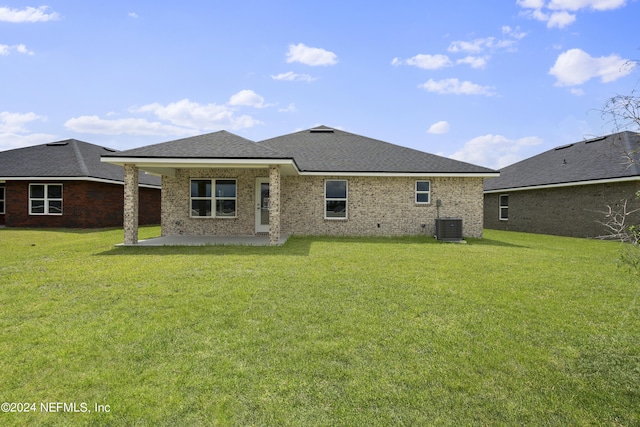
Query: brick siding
x,y
376,205
564,211
85,204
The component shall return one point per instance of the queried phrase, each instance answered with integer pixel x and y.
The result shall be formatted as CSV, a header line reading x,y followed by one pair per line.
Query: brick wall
x,y
85,204
566,211
376,205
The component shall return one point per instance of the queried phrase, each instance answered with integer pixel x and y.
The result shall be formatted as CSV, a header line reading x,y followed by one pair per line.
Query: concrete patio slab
x,y
206,240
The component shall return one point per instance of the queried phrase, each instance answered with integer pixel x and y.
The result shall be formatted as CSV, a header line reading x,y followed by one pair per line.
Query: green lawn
x,y
512,329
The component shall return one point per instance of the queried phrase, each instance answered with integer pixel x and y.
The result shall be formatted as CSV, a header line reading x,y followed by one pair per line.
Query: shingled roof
x,y
216,145
605,158
63,159
317,150
327,150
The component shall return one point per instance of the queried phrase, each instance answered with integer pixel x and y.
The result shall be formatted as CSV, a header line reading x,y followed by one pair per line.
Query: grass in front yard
x,y
512,329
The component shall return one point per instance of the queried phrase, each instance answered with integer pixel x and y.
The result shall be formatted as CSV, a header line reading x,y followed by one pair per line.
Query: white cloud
x,y
248,98
494,151
181,118
193,115
28,14
560,19
484,44
14,133
291,108
129,126
557,12
439,127
456,87
477,62
132,15
586,4
293,77
575,67
6,50
426,62
531,4
310,55
14,122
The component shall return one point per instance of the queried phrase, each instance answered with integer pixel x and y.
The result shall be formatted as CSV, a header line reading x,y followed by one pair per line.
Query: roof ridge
x,y
79,157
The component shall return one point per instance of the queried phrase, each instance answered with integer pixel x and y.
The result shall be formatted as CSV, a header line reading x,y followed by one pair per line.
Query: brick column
x,y
130,204
274,204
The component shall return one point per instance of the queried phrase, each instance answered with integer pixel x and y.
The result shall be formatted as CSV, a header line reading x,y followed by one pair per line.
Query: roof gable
x,y
63,159
323,149
591,160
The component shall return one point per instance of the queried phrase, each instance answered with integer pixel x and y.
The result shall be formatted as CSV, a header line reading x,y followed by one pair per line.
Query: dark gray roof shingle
x,y
63,159
591,160
323,149
216,145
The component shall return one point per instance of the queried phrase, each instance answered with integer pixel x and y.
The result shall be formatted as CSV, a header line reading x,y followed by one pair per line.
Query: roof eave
x,y
70,178
564,184
404,174
160,164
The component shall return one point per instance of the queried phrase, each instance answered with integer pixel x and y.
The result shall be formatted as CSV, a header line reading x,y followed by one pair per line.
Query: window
x,y
335,199
504,207
423,192
45,199
213,198
1,199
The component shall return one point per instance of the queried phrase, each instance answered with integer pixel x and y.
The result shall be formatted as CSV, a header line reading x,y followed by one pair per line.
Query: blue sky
x,y
489,82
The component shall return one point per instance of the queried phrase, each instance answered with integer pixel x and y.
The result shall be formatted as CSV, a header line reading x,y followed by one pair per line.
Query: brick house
x,y
64,184
319,181
565,191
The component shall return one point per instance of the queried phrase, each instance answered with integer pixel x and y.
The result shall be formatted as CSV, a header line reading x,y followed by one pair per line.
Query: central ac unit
x,y
449,229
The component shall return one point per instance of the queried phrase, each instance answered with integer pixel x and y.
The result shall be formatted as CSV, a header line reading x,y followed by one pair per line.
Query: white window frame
x,y
501,207
428,192
337,199
214,198
46,199
3,198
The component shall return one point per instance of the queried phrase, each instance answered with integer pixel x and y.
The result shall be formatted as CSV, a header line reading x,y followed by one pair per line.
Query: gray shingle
x,y
216,145
63,159
323,149
596,159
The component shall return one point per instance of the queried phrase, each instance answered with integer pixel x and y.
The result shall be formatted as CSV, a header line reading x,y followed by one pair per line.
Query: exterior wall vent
x,y
449,229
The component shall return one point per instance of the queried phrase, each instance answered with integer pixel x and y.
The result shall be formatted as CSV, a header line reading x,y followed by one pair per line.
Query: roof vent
x,y
111,150
563,147
589,141
321,129
57,144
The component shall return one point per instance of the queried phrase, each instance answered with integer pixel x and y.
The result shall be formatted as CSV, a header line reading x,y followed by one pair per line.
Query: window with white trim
x,y
504,207
423,192
335,199
213,198
45,199
2,199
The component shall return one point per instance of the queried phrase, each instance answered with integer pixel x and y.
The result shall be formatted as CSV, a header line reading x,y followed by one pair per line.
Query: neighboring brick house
x,y
64,184
319,181
565,191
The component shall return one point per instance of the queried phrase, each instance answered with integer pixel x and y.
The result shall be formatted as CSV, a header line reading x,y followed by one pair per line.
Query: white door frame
x,y
260,228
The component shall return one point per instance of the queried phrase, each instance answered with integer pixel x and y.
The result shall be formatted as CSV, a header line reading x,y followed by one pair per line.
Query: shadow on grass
x,y
491,242
294,246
